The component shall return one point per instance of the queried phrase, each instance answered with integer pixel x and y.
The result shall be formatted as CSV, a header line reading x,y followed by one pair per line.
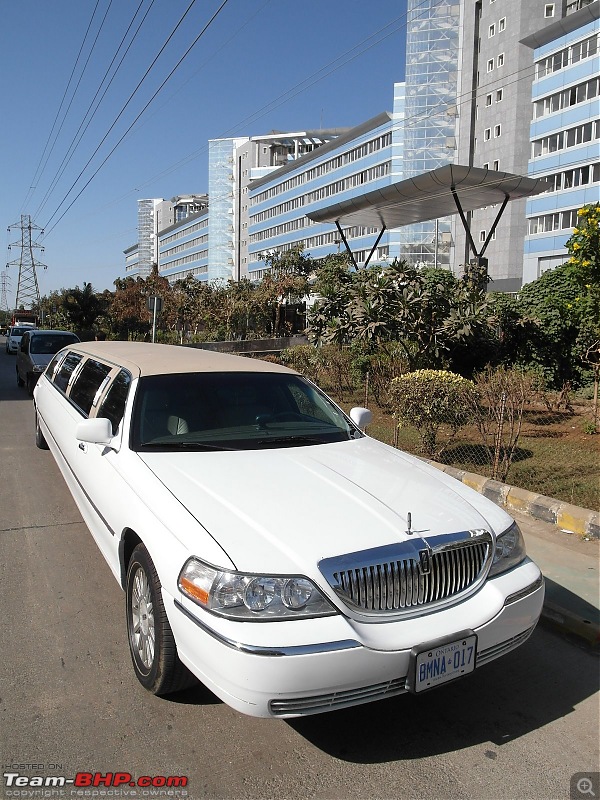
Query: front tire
x,y
40,441
151,642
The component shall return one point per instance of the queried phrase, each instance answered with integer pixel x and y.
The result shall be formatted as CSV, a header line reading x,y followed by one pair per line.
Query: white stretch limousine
x,y
265,544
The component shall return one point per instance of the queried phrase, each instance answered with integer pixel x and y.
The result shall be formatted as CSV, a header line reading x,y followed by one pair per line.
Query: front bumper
x,y
347,663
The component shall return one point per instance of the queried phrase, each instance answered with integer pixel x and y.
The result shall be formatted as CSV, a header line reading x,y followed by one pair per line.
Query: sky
x,y
98,114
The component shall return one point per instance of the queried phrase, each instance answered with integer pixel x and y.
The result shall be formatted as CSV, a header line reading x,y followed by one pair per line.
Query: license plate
x,y
441,662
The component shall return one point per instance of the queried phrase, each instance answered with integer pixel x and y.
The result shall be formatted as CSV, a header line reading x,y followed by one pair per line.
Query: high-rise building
x,y
494,111
155,215
467,100
432,56
564,133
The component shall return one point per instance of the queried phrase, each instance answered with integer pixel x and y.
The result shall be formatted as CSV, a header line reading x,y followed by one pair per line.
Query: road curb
x,y
567,517
566,621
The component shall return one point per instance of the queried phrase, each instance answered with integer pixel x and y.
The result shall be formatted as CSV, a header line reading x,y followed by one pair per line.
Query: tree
x,y
558,306
82,307
286,281
398,303
128,313
584,244
498,405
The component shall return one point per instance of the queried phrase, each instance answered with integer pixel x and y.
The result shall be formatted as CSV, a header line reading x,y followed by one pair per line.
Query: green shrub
x,y
429,399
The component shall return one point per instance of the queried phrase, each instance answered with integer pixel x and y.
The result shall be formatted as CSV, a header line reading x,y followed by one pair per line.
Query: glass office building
x,y
432,54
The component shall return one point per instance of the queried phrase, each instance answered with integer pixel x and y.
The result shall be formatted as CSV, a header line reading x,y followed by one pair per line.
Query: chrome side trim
x,y
533,587
258,650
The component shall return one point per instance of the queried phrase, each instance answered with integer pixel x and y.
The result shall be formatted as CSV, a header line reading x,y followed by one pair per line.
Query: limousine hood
x,y
283,510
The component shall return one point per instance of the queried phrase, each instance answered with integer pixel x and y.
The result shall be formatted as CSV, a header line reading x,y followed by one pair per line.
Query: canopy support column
x,y
347,246
478,255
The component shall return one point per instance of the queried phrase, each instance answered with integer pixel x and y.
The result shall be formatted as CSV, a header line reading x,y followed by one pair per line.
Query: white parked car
x,y
265,544
14,336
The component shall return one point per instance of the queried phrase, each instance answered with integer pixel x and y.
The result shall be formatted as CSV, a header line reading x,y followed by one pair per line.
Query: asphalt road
x,y
520,727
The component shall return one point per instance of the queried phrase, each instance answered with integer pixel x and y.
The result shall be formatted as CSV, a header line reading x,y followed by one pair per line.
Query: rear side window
x,y
113,406
62,377
87,383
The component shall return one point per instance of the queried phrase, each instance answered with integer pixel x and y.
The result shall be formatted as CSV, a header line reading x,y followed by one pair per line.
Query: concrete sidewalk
x,y
564,541
570,568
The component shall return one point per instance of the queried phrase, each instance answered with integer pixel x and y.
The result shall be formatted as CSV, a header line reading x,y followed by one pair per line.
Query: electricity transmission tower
x,y
3,292
28,292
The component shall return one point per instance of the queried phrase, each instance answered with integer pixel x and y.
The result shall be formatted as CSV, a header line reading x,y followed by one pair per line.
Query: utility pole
x,y
28,292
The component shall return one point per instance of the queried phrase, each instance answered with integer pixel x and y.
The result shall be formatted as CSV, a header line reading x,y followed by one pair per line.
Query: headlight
x,y
510,550
252,597
39,367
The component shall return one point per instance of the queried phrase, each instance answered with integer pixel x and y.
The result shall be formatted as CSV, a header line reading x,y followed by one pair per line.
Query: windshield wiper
x,y
186,446
289,440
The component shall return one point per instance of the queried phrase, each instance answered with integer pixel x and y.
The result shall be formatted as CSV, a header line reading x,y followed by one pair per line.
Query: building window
x,y
499,95
549,10
566,98
490,65
502,25
486,165
496,166
482,236
488,100
500,60
497,131
491,31
487,134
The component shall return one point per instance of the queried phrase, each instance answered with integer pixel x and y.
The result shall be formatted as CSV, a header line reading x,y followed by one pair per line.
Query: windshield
x,y
18,331
48,345
234,411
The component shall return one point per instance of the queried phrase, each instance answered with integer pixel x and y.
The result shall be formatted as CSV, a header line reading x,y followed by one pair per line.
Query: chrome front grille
x,y
413,575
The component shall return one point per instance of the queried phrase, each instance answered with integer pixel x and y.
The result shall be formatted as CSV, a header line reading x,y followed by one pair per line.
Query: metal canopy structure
x,y
444,191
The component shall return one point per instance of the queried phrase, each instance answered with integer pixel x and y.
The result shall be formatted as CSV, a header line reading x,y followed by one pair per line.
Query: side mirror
x,y
94,431
361,417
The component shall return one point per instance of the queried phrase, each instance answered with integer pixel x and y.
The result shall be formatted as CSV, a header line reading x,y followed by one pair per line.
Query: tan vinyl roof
x,y
429,196
144,358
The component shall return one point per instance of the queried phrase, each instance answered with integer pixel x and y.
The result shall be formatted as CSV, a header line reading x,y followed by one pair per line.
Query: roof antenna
x,y
409,521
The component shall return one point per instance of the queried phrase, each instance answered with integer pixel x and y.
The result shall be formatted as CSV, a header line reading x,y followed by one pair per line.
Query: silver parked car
x,y
36,351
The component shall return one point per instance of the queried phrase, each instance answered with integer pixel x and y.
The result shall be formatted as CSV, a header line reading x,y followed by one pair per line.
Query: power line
x,y
75,142
33,181
202,32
